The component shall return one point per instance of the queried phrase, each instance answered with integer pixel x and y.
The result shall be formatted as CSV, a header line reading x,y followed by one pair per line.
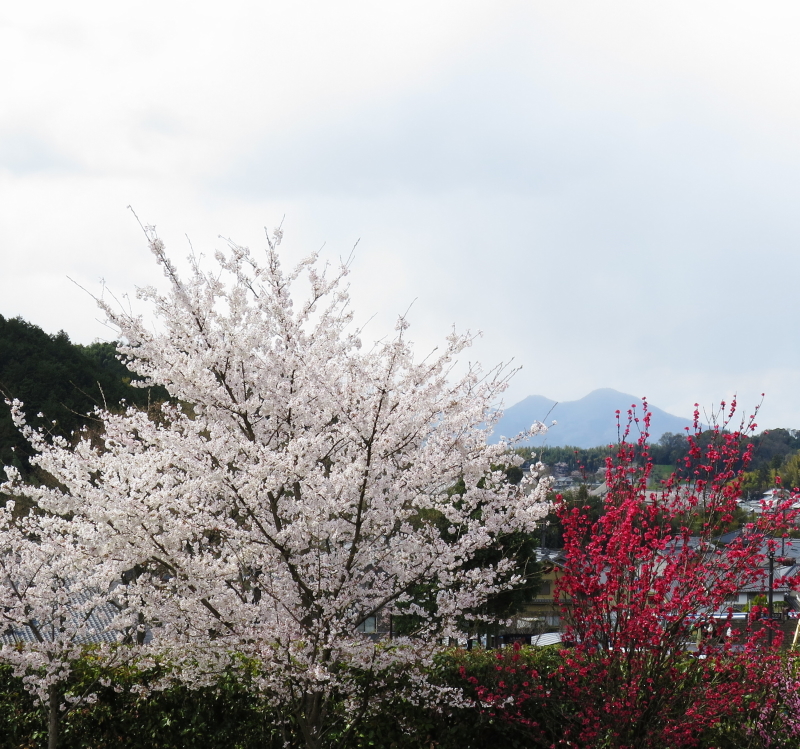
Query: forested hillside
x,y
60,380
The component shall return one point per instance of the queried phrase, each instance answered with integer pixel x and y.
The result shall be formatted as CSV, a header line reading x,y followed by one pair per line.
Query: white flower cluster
x,y
294,485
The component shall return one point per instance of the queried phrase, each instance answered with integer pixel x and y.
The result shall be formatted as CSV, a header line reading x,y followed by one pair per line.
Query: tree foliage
x,y
61,381
294,485
638,579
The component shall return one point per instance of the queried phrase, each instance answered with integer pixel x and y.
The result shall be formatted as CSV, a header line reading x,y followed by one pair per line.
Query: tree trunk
x,y
53,715
310,717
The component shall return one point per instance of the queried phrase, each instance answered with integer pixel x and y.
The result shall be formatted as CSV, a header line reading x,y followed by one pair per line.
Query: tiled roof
x,y
95,629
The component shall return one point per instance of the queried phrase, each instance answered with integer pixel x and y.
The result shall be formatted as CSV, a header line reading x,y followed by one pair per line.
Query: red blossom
x,y
642,580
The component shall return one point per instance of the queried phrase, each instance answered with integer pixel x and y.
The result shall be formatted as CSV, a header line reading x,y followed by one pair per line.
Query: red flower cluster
x,y
652,661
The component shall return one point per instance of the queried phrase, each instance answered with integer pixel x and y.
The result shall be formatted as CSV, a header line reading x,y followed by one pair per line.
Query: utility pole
x,y
783,528
771,577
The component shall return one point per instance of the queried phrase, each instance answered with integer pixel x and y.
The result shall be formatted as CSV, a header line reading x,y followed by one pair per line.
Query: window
x,y
369,625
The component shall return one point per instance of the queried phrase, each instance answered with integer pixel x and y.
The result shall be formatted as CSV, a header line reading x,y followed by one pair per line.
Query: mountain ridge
x,y
587,422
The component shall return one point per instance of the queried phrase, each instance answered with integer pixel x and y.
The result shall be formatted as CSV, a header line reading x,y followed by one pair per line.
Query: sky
x,y
608,191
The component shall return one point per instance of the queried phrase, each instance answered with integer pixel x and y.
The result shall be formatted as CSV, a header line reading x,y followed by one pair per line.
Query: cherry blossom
x,y
294,485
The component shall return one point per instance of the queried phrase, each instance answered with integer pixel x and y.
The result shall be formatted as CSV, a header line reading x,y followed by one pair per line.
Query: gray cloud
x,y
25,153
658,236
608,193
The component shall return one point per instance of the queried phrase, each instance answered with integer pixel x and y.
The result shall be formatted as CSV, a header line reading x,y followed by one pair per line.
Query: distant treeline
x,y
60,380
776,452
666,451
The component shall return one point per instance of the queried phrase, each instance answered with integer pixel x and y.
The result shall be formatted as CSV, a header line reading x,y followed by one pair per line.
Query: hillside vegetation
x,y
60,384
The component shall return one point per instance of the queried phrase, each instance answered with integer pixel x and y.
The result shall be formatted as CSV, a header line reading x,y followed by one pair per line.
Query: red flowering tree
x,y
640,585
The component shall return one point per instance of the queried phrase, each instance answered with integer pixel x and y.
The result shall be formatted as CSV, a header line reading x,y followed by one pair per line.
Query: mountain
x,y
588,422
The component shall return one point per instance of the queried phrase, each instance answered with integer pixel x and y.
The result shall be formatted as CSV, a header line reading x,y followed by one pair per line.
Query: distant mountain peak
x,y
587,422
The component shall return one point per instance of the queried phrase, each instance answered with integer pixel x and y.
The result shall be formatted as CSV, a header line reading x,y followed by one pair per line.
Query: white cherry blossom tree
x,y
297,483
55,601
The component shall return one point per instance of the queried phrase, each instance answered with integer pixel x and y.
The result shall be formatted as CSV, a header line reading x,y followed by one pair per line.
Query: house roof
x,y
787,547
96,628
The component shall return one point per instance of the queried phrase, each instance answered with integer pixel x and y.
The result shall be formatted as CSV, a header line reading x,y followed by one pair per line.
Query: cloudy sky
x,y
608,190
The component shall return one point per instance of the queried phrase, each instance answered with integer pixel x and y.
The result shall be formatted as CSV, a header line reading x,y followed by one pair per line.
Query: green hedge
x,y
229,716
